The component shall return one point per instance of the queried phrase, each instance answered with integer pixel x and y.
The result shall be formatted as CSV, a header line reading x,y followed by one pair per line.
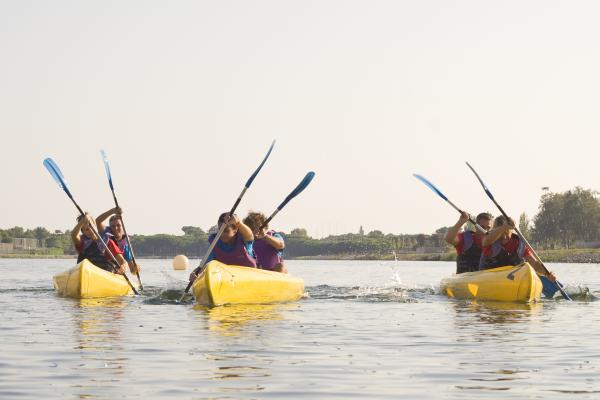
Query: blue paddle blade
x,y
549,287
107,168
251,179
430,186
56,174
301,186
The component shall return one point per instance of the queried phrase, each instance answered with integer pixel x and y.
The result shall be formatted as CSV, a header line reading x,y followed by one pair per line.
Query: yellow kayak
x,y
222,284
85,280
511,283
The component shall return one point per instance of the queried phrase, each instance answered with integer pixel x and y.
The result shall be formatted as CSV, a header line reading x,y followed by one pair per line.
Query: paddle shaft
x,y
198,270
103,243
58,177
212,245
489,194
269,219
128,241
443,196
297,190
471,220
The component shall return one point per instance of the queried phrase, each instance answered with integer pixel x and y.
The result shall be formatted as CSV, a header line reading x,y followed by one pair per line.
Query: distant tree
x,y
16,232
5,237
524,226
299,232
376,234
41,233
361,231
193,231
566,217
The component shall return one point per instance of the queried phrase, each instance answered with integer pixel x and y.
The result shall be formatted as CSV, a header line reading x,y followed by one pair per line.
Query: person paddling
x,y
467,243
116,232
234,247
268,244
89,247
502,247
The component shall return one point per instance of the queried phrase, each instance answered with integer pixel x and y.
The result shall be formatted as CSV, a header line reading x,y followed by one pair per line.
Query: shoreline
x,y
576,256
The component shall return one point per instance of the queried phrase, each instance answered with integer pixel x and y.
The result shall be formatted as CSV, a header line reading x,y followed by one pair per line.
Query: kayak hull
x,y
518,283
85,281
221,284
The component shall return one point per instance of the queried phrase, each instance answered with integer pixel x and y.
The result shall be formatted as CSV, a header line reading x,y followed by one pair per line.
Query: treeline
x,y
563,220
194,243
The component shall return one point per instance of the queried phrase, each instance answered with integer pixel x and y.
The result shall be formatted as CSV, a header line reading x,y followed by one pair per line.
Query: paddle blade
x,y
430,186
56,174
251,179
301,186
107,168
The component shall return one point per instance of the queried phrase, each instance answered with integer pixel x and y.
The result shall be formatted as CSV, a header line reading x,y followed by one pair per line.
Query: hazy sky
x,y
186,96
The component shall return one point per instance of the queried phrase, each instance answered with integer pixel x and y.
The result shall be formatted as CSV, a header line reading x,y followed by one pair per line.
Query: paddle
x,y
489,194
112,189
437,191
301,186
198,269
60,179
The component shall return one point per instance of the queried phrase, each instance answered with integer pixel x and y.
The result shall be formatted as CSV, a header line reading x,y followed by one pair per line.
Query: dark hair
x,y
222,218
484,215
255,220
113,217
500,221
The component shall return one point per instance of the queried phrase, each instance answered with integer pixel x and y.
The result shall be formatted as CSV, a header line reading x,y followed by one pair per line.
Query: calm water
x,y
365,330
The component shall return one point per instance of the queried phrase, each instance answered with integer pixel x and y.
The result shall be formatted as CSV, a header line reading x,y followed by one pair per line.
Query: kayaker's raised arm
x,y
268,244
468,244
102,217
77,230
538,266
501,227
242,229
452,234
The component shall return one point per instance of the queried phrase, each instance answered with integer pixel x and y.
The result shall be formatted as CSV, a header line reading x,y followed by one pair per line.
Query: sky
x,y
186,97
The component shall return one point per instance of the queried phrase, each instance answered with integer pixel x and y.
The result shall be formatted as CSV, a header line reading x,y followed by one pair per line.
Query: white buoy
x,y
180,262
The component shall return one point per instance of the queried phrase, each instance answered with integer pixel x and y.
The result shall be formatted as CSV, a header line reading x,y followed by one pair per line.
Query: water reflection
x,y
494,312
237,319
98,337
98,323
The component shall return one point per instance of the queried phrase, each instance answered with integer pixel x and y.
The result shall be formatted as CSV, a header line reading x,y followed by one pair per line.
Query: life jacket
x,y
238,254
470,257
267,257
121,244
499,257
93,251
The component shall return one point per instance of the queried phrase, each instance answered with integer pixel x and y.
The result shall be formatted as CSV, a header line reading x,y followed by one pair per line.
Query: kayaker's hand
x,y
464,217
260,233
118,211
193,276
233,221
121,270
550,275
134,268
